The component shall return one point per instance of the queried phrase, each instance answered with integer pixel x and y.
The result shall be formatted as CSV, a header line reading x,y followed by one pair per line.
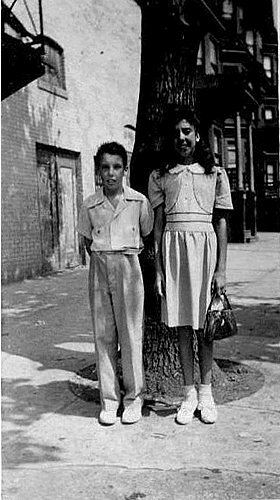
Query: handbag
x,y
220,321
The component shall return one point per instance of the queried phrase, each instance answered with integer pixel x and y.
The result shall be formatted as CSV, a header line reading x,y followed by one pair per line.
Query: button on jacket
x,y
116,229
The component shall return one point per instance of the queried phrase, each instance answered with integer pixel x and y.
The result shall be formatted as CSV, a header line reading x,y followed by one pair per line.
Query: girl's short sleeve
x,y
155,190
223,195
146,217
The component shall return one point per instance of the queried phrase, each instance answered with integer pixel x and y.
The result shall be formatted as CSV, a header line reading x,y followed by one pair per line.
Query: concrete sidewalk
x,y
53,446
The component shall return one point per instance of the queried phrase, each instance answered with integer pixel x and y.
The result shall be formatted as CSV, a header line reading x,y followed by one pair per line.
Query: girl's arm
x,y
158,231
220,228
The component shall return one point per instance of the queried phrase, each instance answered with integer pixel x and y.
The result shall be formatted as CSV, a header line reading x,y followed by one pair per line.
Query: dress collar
x,y
193,167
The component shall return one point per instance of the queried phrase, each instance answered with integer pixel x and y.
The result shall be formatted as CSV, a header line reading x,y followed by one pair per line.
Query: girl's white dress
x,y
189,245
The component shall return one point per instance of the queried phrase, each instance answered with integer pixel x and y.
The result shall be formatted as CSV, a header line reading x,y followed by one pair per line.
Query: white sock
x,y
189,390
205,390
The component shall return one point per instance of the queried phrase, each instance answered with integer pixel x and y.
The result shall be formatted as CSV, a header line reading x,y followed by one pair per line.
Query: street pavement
x,y
52,444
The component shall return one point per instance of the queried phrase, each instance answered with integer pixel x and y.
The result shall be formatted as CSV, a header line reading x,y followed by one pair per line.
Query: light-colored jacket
x,y
190,196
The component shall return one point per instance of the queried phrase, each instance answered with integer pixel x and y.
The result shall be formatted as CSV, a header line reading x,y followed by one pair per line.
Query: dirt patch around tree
x,y
231,381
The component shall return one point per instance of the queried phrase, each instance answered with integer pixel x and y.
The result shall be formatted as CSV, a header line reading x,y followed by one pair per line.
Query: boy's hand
x,y
160,284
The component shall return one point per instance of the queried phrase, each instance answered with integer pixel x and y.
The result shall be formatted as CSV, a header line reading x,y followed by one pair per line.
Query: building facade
x,y
51,127
88,93
238,103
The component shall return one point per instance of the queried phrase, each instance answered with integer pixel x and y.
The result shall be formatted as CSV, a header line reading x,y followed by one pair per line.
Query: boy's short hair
x,y
111,148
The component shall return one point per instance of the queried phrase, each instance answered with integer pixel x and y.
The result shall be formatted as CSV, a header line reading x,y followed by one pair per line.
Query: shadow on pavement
x,y
47,338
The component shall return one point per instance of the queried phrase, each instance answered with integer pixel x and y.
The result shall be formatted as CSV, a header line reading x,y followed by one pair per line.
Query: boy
x,y
113,222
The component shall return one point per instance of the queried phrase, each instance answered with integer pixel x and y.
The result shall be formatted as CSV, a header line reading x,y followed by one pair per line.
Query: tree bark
x,y
171,35
168,65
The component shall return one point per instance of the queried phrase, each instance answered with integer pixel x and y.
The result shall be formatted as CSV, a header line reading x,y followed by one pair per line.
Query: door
x,y
57,207
68,212
48,209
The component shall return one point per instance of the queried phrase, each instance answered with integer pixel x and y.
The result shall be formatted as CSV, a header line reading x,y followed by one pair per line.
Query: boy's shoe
x,y
208,410
107,417
131,414
185,413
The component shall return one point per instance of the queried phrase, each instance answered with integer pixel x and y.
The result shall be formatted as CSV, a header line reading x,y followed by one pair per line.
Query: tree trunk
x,y
170,40
168,65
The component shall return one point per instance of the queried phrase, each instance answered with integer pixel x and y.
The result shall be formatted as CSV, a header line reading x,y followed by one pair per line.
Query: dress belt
x,y
189,217
189,222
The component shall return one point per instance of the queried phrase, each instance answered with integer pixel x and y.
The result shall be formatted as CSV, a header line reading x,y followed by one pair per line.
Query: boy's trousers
x,y
116,295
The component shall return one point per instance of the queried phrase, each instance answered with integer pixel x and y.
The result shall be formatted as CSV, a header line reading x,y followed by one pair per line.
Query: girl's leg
x,y
189,404
205,356
206,403
186,353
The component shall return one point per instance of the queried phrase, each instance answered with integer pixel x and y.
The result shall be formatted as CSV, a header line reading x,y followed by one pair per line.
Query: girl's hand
x,y
218,284
160,284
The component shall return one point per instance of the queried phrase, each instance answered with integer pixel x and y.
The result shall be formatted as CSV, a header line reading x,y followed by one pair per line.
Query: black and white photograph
x,y
140,250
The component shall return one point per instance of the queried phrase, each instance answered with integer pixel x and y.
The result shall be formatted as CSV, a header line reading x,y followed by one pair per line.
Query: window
x,y
199,61
240,13
227,9
54,78
259,40
268,114
231,163
211,57
240,19
250,41
270,176
54,64
217,147
267,64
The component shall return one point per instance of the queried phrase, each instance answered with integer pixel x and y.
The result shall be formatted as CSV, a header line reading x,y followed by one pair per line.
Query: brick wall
x,y
101,42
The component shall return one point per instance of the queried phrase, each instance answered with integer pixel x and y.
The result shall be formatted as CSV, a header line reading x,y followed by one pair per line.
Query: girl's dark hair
x,y
202,154
184,113
111,148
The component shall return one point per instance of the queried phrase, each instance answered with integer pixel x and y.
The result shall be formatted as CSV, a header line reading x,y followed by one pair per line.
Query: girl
x,y
190,197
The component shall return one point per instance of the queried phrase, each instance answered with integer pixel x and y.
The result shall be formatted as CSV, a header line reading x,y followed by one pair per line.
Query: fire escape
x,y
22,49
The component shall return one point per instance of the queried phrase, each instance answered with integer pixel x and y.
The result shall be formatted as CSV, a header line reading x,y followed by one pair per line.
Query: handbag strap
x,y
224,299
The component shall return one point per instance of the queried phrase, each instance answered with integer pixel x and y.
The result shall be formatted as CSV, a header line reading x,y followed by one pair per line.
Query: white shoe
x,y
108,417
208,410
185,413
131,414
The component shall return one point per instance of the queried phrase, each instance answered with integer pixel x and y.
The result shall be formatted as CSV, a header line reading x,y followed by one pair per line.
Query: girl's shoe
x,y
208,410
107,417
185,413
